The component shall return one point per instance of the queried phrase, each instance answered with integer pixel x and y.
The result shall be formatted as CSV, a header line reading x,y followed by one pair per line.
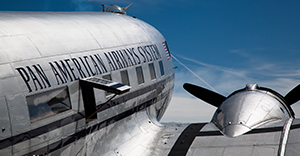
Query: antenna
x,y
102,7
127,7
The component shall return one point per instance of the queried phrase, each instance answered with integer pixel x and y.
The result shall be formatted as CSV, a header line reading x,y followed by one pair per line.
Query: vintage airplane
x,y
98,84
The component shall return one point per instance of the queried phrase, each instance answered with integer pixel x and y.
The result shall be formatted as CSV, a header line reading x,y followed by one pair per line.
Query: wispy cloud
x,y
82,5
241,52
242,74
186,108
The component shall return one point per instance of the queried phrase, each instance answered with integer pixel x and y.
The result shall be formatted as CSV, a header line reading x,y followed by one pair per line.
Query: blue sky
x,y
226,43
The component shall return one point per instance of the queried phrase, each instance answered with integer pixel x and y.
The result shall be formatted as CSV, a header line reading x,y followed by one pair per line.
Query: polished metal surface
x,y
114,9
44,52
249,109
44,55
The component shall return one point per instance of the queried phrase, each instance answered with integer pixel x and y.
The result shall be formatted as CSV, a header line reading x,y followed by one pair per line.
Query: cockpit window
x,y
48,103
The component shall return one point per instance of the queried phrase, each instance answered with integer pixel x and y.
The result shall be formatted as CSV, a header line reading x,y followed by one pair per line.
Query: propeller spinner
x,y
247,108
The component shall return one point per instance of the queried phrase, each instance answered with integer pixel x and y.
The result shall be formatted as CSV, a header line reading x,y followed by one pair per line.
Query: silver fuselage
x,y
44,55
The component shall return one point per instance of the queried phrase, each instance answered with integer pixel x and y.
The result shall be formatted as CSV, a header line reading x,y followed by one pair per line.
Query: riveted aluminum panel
x,y
41,39
293,143
5,128
19,119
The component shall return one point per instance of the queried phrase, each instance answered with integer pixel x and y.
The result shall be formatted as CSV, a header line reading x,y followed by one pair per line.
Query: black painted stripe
x,y
296,126
75,117
185,140
265,130
81,134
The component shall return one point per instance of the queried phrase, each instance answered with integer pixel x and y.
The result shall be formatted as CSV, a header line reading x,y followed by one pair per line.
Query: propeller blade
x,y
206,95
293,96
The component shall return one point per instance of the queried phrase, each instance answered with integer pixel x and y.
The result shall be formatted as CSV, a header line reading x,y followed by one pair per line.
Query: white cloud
x,y
185,108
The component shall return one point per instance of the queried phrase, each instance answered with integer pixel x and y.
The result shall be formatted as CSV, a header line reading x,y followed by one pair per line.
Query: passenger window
x,y
152,71
140,75
124,77
48,103
107,77
161,66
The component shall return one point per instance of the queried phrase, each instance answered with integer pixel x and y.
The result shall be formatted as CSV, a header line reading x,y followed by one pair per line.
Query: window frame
x,y
125,78
152,71
48,103
161,67
140,75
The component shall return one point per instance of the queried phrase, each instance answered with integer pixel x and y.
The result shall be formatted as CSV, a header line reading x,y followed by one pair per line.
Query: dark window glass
x,y
140,75
48,103
152,71
161,66
107,77
124,77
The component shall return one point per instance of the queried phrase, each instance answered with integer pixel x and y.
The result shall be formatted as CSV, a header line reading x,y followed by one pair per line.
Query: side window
x,y
124,77
48,103
107,77
152,71
161,66
140,75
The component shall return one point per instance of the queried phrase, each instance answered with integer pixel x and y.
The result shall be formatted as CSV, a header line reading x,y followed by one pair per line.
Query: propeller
x,y
206,95
293,96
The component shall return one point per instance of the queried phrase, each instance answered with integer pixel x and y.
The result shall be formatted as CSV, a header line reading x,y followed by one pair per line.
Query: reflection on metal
x,y
60,50
284,137
87,87
49,103
89,118
103,84
115,9
249,108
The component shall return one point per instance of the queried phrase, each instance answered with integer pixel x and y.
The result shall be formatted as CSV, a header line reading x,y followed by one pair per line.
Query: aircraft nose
x,y
235,130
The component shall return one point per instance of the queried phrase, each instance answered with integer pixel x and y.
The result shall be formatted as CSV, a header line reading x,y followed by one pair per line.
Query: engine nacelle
x,y
247,108
250,108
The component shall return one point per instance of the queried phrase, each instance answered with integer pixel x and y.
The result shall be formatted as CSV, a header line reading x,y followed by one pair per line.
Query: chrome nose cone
x,y
235,130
